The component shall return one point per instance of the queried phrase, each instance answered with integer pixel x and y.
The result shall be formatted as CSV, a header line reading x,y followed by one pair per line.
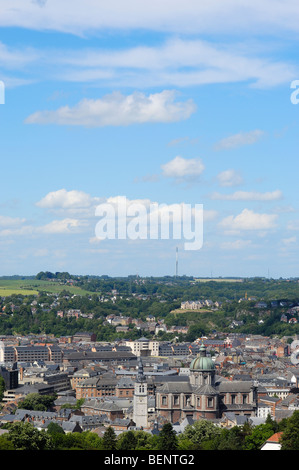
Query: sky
x,y
177,104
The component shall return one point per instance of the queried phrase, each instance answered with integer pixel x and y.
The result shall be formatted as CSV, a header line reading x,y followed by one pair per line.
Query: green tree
x,y
127,441
24,436
2,387
109,441
229,439
259,435
290,436
201,431
37,402
6,443
144,440
54,428
167,439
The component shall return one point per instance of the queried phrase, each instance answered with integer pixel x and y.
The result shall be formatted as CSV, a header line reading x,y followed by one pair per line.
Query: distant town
x,y
140,354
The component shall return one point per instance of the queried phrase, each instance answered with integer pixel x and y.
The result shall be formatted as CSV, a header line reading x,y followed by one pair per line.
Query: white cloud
x,y
249,196
177,63
249,220
174,63
64,199
118,110
238,140
183,169
67,225
190,16
229,178
14,58
61,226
6,221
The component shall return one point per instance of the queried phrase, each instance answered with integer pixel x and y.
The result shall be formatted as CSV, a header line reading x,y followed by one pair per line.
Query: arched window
x,y
210,402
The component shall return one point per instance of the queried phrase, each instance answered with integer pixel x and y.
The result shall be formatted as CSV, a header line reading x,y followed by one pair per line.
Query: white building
x,y
144,347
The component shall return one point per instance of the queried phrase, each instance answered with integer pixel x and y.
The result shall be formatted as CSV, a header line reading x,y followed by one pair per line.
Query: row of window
x,y
231,399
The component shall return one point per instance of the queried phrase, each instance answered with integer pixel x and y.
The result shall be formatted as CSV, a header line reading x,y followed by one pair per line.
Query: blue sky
x,y
168,102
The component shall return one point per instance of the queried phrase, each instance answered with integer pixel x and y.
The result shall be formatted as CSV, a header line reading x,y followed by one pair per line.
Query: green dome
x,y
202,362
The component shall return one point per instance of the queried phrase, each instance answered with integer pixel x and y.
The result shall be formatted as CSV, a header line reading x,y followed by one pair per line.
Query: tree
x,y
167,439
259,435
37,402
201,431
229,439
109,441
2,387
127,441
144,440
290,436
6,443
24,436
54,428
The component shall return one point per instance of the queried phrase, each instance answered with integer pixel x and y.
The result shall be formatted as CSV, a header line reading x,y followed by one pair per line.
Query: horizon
x,y
174,276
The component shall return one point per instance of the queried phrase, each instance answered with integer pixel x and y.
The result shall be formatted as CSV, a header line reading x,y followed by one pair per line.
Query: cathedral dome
x,y
202,362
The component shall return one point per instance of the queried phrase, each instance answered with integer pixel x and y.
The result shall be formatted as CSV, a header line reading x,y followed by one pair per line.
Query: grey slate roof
x,y
206,390
235,386
175,387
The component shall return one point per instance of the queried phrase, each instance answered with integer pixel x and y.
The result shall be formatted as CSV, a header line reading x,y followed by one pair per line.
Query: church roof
x,y
235,386
176,387
206,390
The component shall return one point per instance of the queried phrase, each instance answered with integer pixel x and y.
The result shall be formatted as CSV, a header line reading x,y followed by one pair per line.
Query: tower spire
x,y
140,373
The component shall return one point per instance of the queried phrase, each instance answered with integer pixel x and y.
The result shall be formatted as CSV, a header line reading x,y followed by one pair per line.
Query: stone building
x,y
203,395
140,399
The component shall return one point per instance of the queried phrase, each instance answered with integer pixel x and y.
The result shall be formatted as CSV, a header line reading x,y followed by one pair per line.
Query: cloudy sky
x,y
170,103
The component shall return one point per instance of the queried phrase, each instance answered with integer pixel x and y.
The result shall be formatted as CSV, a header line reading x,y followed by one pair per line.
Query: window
x,y
244,399
176,400
222,399
210,402
164,400
187,400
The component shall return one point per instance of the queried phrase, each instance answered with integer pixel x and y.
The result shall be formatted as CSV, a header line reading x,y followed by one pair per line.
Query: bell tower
x,y
140,404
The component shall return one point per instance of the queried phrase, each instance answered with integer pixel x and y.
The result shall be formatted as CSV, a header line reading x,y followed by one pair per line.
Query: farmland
x,y
34,286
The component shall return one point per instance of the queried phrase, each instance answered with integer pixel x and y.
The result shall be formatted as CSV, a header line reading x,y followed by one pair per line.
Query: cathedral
x,y
203,394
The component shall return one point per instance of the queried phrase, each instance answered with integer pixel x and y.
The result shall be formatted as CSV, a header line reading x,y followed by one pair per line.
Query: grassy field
x,y
183,310
34,286
218,280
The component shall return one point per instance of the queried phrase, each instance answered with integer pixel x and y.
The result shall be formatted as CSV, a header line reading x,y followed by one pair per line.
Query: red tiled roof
x,y
275,437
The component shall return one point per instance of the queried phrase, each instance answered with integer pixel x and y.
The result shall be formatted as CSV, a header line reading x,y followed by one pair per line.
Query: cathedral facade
x,y
203,395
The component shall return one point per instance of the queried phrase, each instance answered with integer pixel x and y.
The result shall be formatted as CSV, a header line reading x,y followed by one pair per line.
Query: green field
x,y
34,286
219,279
